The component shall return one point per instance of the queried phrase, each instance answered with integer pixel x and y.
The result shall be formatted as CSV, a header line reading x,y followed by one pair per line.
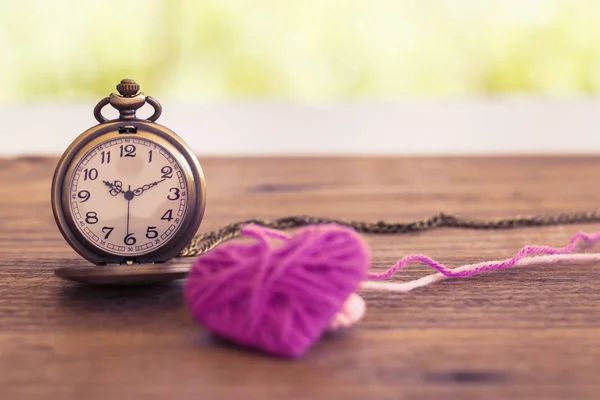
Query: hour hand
x,y
142,189
116,187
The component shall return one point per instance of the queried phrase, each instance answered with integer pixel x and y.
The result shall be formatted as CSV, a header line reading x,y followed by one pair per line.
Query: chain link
x,y
207,241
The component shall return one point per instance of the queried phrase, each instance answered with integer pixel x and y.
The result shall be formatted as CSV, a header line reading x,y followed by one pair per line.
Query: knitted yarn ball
x,y
280,295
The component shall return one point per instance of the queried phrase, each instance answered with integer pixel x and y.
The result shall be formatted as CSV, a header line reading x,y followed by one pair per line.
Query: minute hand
x,y
142,189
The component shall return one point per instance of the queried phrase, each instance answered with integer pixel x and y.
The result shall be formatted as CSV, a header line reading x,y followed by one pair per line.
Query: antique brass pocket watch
x,y
128,195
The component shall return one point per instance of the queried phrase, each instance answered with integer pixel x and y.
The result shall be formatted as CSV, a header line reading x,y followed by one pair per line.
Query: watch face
x,y
128,195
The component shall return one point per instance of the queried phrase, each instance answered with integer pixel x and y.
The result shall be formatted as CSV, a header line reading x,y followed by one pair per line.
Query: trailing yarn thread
x,y
281,292
471,269
490,265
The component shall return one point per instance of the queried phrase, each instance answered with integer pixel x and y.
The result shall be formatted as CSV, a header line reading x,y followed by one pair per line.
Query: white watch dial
x,y
128,196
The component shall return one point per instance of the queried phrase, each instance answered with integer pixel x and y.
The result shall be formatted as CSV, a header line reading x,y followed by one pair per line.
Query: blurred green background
x,y
309,50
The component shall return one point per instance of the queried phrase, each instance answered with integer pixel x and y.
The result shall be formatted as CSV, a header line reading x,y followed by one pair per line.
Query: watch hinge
x,y
132,261
128,129
128,261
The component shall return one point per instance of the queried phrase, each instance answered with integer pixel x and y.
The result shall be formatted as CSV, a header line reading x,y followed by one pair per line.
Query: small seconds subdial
x,y
128,196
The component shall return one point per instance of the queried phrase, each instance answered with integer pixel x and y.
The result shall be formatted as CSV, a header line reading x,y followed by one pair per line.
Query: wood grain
x,y
523,333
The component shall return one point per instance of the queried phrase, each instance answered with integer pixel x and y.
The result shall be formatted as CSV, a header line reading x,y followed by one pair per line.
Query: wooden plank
x,y
521,333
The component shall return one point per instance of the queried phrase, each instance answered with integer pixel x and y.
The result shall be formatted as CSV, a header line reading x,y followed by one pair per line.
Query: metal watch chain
x,y
207,241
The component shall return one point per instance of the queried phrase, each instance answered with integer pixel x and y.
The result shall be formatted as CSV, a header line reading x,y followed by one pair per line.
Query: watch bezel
x,y
185,157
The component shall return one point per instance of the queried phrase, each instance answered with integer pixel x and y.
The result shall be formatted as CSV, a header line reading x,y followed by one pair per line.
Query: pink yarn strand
x,y
489,265
470,269
261,232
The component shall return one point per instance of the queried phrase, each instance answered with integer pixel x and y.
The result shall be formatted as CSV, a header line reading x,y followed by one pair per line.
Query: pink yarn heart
x,y
280,298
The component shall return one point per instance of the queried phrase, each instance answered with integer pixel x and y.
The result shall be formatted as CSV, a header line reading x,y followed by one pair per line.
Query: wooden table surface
x,y
519,333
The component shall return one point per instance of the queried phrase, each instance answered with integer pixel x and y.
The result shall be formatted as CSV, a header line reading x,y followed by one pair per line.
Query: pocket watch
x,y
128,195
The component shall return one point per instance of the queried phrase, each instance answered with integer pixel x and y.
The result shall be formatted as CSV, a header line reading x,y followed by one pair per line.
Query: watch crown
x,y
128,88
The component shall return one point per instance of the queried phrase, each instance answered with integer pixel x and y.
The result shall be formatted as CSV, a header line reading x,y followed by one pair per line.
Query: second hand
x,y
128,196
